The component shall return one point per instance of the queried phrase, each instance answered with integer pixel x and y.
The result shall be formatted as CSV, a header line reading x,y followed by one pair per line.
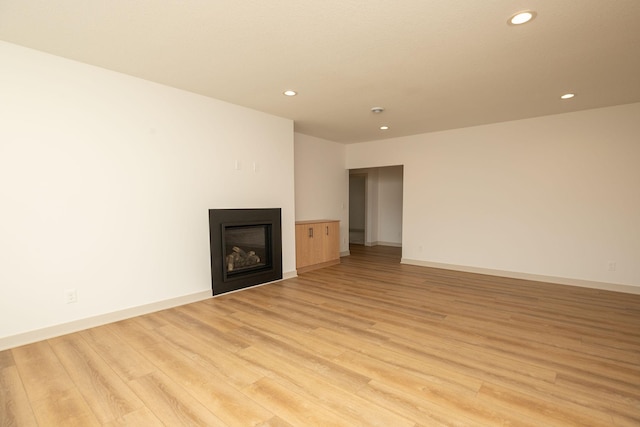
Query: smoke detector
x,y
377,110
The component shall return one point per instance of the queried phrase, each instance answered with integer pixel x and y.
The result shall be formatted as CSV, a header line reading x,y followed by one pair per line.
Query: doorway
x,y
375,206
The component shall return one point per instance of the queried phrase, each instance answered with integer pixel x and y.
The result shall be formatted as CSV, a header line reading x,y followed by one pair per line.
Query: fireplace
x,y
246,248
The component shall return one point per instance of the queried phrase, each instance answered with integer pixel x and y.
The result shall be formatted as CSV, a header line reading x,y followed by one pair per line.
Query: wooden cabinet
x,y
317,244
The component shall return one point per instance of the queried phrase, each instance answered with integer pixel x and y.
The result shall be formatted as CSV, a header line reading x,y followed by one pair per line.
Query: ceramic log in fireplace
x,y
246,248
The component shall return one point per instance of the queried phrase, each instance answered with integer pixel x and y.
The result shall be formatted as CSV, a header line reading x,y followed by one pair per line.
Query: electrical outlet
x,y
70,296
612,266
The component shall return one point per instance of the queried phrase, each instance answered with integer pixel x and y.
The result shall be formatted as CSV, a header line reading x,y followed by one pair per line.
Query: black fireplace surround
x,y
246,248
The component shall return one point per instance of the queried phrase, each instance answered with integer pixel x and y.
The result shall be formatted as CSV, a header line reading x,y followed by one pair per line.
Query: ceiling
x,y
433,65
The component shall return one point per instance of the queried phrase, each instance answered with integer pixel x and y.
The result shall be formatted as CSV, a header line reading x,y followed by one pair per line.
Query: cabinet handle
x,y
310,231
327,230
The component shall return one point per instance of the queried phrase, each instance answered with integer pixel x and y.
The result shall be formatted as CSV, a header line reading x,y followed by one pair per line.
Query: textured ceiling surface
x,y
433,65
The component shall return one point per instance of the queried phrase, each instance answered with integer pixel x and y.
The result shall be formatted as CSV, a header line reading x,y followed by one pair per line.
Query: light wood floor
x,y
369,342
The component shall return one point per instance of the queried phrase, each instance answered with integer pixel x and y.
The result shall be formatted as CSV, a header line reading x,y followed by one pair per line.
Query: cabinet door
x,y
309,244
331,241
303,251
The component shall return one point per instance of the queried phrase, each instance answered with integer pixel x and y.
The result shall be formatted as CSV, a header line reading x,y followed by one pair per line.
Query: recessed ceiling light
x,y
377,110
522,17
568,96
290,92
385,127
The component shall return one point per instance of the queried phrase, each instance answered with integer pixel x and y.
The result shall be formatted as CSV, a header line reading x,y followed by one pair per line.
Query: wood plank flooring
x,y
369,342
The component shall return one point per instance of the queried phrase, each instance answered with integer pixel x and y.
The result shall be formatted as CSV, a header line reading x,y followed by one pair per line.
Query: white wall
x,y
322,183
371,231
105,185
390,190
555,196
357,201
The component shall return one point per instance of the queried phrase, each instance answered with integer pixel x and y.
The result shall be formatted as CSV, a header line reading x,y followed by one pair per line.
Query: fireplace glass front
x,y
246,248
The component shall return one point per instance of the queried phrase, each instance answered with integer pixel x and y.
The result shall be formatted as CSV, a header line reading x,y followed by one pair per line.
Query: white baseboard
x,y
394,244
345,253
629,289
378,243
289,275
103,319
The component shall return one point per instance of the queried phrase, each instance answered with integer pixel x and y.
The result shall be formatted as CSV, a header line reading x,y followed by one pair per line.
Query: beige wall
x,y
552,196
106,181
322,183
